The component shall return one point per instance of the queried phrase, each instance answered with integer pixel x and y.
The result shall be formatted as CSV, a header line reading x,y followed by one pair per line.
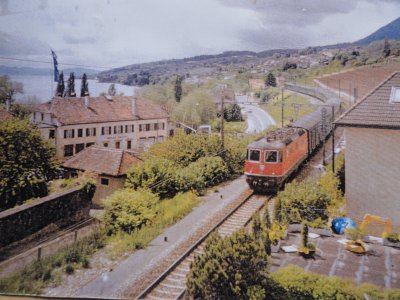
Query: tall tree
x,y
70,92
112,91
8,89
60,85
231,268
84,86
26,163
386,48
271,80
178,88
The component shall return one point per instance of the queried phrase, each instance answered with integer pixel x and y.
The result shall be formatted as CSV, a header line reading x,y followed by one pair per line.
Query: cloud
x,y
70,39
120,32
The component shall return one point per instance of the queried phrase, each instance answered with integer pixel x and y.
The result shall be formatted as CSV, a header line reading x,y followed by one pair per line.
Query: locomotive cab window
x,y
271,156
254,155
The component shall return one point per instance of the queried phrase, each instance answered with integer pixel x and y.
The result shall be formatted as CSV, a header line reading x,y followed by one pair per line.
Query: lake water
x,y
41,87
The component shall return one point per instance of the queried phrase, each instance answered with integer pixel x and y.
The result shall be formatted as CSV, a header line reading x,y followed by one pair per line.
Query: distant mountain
x,y
390,31
28,71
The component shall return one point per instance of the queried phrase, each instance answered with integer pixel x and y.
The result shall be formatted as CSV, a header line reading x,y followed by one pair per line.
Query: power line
x,y
50,62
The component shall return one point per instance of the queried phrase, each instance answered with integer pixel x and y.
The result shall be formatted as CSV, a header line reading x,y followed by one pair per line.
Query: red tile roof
x,y
5,114
102,160
69,111
375,109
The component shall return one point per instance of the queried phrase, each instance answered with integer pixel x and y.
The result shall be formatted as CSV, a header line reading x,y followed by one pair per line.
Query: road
x,y
257,119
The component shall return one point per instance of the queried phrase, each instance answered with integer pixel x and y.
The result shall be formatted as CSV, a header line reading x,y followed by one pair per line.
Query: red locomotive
x,y
272,159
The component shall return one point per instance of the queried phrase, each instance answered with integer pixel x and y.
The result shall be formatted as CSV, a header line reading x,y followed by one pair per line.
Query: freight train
x,y
273,158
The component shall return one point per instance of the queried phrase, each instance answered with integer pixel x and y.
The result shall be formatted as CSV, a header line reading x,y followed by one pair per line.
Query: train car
x,y
272,159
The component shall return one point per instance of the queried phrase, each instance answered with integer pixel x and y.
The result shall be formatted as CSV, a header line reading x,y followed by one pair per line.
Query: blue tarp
x,y
339,225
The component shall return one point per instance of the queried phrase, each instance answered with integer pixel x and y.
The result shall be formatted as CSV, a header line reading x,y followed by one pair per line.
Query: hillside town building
x,y
110,166
372,131
120,122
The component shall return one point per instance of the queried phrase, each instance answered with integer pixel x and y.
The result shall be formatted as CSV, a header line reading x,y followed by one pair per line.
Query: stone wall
x,y
61,209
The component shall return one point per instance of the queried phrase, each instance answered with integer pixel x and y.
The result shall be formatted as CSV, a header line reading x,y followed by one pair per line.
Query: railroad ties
x,y
173,286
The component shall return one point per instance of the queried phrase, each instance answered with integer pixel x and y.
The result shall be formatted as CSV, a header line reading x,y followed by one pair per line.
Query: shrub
x,y
231,268
292,282
69,269
128,210
155,174
304,201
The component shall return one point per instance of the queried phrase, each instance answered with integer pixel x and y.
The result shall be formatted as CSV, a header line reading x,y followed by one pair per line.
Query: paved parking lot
x,y
380,265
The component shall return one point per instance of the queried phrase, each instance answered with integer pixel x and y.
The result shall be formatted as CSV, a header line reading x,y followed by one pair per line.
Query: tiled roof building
x,y
110,165
101,160
377,109
372,132
122,122
4,114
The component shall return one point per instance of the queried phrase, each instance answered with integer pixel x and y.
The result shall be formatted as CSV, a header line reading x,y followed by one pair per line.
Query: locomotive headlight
x,y
262,168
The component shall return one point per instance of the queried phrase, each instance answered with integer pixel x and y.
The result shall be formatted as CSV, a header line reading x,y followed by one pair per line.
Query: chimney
x,y
86,101
8,104
134,108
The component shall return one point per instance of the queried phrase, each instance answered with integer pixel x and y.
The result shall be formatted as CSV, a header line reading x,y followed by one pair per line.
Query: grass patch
x,y
169,212
36,276
295,106
234,127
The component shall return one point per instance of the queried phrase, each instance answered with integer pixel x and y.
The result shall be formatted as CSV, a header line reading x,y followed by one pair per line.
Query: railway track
x,y
20,259
172,283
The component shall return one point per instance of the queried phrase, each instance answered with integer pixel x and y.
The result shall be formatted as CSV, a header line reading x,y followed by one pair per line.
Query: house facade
x,y
372,132
109,164
120,122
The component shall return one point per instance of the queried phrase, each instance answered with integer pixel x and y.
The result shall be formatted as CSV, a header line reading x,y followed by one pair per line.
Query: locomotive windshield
x,y
271,156
254,155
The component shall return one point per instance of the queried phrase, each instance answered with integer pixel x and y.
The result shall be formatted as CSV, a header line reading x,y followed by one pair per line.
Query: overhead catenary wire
x,y
51,62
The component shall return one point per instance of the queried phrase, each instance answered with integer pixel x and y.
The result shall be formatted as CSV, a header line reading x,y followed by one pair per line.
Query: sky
x,y
113,33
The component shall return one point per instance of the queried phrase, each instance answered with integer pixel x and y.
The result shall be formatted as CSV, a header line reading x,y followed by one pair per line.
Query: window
x,y
89,144
79,148
52,134
91,131
395,95
118,129
105,145
118,145
129,128
42,116
163,126
129,144
160,138
140,127
271,156
155,126
106,130
147,127
80,132
68,150
69,133
104,181
254,155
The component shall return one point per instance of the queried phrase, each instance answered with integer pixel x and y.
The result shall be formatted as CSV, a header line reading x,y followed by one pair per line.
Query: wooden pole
x,y
282,108
222,121
333,139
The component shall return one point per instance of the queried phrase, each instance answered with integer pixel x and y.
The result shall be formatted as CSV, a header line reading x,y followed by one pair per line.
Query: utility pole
x,y
333,139
282,106
222,121
339,90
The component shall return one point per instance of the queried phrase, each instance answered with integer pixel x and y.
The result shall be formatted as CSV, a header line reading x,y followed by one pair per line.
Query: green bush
x,y
231,268
304,201
156,174
293,282
127,210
